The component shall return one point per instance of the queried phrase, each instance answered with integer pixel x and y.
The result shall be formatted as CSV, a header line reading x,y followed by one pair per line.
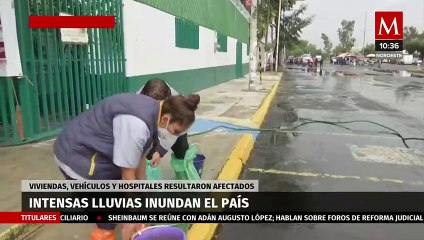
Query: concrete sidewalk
x,y
224,104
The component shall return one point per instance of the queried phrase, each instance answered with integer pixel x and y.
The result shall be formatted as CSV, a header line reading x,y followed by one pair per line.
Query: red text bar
x,y
71,21
29,217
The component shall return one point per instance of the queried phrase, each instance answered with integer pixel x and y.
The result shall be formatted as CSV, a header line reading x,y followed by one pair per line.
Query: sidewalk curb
x,y
234,165
16,231
259,116
419,71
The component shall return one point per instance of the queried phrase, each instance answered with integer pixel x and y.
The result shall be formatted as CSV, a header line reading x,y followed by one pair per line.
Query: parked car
x,y
367,61
407,59
290,60
417,61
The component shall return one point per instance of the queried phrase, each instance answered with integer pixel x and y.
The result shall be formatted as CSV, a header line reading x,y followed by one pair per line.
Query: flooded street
x,y
362,156
404,93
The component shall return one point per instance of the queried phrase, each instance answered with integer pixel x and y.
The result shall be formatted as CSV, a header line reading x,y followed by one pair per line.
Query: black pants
x,y
179,148
104,226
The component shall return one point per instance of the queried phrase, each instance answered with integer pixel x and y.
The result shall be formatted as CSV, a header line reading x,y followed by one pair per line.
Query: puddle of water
x,y
401,100
378,154
402,73
371,87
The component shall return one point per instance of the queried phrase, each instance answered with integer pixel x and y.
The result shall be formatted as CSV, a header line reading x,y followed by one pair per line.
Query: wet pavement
x,y
323,157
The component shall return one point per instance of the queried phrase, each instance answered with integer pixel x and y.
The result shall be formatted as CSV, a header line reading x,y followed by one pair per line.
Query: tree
x,y
369,49
291,27
328,45
410,33
302,47
299,48
265,13
416,45
313,50
338,49
413,40
347,41
268,17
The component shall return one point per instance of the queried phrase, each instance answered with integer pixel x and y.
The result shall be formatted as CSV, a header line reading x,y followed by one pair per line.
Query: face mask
x,y
166,138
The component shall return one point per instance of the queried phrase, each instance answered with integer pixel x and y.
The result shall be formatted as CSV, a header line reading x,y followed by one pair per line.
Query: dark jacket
x,y
86,143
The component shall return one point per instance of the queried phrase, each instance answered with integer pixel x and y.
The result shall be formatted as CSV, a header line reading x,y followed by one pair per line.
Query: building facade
x,y
191,44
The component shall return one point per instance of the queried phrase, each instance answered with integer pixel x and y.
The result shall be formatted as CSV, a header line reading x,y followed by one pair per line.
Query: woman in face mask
x,y
111,140
175,119
160,90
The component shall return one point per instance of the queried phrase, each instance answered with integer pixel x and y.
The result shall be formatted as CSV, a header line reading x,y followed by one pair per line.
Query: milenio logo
x,y
388,25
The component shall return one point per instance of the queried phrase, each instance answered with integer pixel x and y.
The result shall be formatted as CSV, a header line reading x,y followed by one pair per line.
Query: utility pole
x,y
365,30
278,36
284,40
253,42
268,15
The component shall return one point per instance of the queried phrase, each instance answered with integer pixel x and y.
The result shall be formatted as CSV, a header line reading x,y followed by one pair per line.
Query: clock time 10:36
x,y
388,45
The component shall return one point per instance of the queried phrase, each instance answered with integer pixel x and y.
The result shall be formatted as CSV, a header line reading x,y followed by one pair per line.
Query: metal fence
x,y
61,79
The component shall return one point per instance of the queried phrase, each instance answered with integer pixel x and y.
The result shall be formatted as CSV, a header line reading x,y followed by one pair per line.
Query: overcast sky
x,y
330,13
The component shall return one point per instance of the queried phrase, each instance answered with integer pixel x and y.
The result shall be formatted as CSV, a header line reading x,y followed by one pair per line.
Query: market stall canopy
x,y
342,55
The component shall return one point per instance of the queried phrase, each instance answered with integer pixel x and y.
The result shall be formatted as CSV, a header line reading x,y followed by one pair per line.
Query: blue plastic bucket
x,y
198,162
161,233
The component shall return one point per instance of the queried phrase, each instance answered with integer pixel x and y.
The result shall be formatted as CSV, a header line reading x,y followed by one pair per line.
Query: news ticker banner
x,y
223,202
203,202
212,217
139,186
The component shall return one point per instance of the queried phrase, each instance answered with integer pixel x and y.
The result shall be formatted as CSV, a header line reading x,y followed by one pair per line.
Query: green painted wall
x,y
189,81
220,15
